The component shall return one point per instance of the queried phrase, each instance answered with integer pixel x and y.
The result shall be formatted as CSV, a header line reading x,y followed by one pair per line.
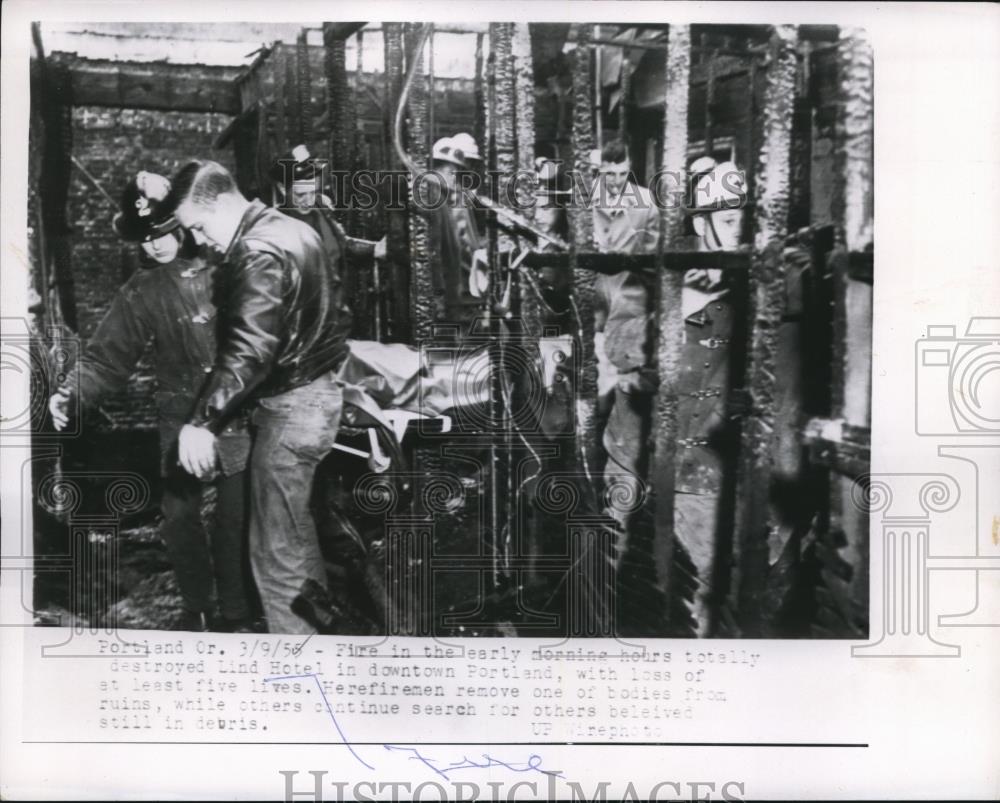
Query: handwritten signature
x,y
533,764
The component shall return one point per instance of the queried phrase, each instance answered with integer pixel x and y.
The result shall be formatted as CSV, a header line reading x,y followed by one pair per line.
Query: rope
x,y
93,181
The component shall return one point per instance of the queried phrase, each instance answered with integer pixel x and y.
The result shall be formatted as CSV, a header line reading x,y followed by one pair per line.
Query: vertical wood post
x,y
303,94
852,331
290,91
479,98
581,224
524,94
340,108
670,323
767,297
397,327
417,132
56,170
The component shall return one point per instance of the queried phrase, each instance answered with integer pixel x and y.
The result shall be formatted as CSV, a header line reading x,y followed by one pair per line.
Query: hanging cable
x,y
397,128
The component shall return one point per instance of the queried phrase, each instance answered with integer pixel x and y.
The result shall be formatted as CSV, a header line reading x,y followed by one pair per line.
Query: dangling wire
x,y
397,128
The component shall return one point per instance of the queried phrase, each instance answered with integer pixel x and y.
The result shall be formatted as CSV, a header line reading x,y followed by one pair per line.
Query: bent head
x,y
207,203
163,249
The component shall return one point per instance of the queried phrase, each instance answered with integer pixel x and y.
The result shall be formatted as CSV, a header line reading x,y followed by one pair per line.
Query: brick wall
x,y
112,145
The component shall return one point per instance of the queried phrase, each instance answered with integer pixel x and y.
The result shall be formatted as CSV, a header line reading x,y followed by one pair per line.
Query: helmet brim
x,y
132,231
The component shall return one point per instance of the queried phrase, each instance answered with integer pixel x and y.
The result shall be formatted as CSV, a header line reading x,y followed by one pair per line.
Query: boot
x,y
194,621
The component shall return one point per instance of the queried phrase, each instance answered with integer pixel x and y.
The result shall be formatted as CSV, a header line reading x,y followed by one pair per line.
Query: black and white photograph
x,y
486,401
457,330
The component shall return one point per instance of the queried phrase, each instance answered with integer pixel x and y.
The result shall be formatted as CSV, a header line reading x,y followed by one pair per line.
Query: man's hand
x,y
59,409
196,450
479,276
381,249
630,382
607,373
706,279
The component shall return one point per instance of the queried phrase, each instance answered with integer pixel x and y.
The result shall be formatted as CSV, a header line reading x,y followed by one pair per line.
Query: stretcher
x,y
393,392
391,389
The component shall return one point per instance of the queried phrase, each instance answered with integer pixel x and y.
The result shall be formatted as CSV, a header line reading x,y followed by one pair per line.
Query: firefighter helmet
x,y
467,145
140,217
303,166
719,186
445,150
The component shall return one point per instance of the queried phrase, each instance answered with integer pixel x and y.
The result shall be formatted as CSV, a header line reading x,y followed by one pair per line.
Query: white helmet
x,y
445,150
721,186
467,145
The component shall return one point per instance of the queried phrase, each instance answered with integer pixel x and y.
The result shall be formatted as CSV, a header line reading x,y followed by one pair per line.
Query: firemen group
x,y
247,314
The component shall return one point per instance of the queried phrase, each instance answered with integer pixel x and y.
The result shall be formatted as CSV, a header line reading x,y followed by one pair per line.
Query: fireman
x,y
169,302
716,208
456,241
298,186
626,221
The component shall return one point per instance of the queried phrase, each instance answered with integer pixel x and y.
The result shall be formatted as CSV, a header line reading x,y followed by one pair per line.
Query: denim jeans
x,y
198,559
294,431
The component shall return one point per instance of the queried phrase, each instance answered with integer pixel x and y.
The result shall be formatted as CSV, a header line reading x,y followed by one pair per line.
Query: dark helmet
x,y
140,217
299,162
552,186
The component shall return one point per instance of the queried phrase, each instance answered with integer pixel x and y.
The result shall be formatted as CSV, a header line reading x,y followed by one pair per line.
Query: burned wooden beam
x,y
341,30
581,223
504,109
530,310
56,101
767,299
616,263
303,95
142,85
479,98
847,533
281,101
669,321
855,215
341,110
501,160
293,108
856,138
417,135
397,326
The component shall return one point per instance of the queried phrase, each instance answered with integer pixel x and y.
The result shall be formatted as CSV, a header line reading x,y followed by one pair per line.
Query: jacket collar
x,y
252,214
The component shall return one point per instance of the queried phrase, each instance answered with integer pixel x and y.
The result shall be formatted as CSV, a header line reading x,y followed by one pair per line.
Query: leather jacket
x,y
335,247
279,305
